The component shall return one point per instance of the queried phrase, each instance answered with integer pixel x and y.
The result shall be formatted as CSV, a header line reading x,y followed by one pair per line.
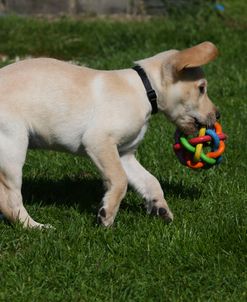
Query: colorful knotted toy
x,y
193,153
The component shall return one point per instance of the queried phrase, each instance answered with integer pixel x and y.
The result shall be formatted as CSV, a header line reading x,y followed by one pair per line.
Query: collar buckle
x,y
152,95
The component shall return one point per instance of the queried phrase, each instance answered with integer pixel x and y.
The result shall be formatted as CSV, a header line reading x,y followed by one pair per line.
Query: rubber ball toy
x,y
203,151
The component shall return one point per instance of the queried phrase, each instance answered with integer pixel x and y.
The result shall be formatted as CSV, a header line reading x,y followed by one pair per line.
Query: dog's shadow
x,y
86,194
181,191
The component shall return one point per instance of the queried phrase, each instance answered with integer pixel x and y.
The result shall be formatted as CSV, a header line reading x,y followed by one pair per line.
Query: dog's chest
x,y
132,143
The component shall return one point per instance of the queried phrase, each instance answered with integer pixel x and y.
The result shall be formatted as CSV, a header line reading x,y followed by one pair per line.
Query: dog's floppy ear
x,y
195,56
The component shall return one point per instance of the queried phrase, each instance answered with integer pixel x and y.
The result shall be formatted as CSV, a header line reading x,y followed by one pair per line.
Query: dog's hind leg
x,y
148,186
13,148
11,203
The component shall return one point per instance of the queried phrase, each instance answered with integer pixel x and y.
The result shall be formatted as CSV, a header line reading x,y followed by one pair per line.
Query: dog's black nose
x,y
217,114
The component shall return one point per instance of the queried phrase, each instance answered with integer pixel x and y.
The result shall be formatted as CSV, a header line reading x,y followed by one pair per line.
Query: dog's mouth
x,y
189,127
198,124
193,126
190,124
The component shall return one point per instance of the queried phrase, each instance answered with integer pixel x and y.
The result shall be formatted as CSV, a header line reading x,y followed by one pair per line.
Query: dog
x,y
50,104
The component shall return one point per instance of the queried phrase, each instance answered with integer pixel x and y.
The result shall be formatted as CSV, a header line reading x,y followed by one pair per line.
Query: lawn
x,y
202,255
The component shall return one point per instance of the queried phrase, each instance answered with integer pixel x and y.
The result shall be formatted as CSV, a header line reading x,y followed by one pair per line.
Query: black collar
x,y
151,94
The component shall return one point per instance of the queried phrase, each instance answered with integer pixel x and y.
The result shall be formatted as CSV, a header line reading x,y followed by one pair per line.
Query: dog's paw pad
x,y
164,214
103,218
102,212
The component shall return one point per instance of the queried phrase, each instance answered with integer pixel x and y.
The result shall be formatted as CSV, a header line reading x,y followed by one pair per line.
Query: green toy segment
x,y
192,149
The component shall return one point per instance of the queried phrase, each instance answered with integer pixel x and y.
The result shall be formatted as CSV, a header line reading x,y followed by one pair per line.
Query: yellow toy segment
x,y
199,146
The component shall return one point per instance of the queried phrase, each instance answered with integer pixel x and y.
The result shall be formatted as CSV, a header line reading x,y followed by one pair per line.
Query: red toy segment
x,y
199,140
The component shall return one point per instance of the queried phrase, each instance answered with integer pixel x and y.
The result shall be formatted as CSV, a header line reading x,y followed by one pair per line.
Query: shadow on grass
x,y
86,194
83,194
181,191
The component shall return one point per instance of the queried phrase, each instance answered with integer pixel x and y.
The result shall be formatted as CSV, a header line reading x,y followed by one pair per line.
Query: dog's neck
x,y
151,94
159,73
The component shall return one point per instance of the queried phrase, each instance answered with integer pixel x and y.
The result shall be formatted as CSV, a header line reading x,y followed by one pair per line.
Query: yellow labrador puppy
x,y
49,104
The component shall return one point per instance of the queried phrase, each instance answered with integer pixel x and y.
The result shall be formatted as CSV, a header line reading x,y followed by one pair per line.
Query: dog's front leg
x,y
148,186
106,157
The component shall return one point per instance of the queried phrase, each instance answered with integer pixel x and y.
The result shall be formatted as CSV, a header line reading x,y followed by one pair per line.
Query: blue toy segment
x,y
215,137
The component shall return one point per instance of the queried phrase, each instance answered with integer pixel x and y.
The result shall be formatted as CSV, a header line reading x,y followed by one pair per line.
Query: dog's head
x,y
182,92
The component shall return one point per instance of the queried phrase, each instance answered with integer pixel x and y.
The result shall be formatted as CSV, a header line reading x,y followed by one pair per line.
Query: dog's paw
x,y
104,218
48,226
40,226
164,213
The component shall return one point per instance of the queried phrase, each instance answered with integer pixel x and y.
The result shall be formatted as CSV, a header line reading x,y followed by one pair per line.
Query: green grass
x,y
202,255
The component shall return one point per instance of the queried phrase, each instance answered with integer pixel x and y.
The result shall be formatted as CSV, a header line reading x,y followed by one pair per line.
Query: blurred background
x,y
75,7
